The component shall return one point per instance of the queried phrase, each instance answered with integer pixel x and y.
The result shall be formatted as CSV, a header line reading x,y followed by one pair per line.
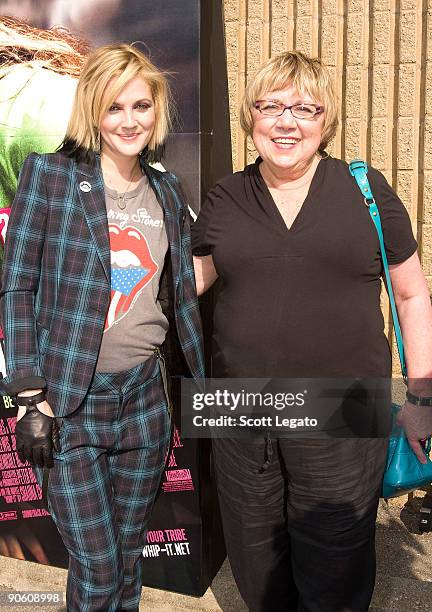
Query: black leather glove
x,y
36,435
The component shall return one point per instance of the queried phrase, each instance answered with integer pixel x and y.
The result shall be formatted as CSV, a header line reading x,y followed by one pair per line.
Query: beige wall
x,y
380,52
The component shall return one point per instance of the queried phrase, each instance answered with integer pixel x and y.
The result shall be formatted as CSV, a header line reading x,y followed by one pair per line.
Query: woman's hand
x,y
36,432
205,273
417,423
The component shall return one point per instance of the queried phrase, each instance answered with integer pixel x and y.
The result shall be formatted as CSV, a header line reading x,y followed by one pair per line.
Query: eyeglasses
x,y
271,108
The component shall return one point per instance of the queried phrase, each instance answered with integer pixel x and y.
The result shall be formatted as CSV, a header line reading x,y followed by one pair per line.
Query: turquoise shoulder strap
x,y
358,169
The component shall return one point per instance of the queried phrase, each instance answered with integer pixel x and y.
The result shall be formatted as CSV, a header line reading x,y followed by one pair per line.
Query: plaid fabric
x,y
103,484
56,277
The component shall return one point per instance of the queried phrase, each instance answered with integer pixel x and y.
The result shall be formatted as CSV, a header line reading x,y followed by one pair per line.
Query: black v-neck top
x,y
304,301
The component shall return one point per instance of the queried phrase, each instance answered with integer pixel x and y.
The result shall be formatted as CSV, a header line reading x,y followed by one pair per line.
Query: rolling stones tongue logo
x,y
132,268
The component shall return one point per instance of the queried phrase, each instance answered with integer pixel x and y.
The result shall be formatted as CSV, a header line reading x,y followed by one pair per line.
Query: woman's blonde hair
x,y
308,75
106,72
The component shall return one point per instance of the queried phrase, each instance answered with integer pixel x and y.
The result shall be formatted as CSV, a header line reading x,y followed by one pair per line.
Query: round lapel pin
x,y
85,186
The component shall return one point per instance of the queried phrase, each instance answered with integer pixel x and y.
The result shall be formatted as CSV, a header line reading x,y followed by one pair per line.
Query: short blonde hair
x,y
293,69
106,72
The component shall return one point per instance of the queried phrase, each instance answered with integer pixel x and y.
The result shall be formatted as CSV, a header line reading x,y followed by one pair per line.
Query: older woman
x,y
299,265
95,282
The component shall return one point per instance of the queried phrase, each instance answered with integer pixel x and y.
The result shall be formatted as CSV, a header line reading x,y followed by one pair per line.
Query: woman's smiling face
x,y
287,145
127,126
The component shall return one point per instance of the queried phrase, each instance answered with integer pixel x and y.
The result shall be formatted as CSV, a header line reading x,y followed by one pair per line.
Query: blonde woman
x,y
96,287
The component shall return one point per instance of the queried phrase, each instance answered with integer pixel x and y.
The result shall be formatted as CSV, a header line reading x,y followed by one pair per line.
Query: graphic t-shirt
x,y
135,324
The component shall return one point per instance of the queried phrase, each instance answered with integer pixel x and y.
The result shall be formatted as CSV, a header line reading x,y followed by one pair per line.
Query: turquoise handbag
x,y
403,472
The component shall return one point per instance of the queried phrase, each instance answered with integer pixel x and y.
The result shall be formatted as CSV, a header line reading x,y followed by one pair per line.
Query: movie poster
x,y
44,44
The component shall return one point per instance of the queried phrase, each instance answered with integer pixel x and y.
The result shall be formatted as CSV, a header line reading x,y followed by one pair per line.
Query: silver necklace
x,y
121,202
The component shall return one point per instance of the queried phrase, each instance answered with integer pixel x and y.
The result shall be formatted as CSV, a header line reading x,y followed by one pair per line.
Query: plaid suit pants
x,y
103,485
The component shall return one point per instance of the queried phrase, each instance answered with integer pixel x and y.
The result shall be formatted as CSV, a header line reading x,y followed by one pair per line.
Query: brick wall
x,y
380,52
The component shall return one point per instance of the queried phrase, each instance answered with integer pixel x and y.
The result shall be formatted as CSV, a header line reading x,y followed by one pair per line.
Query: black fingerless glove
x,y
36,436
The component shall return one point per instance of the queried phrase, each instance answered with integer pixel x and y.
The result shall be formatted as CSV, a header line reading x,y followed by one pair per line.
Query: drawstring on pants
x,y
268,455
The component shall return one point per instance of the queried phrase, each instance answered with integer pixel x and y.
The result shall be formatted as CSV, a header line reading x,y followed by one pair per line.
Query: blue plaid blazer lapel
x,y
170,202
186,323
92,196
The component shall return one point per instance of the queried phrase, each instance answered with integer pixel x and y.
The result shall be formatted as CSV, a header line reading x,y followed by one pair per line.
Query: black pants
x,y
300,535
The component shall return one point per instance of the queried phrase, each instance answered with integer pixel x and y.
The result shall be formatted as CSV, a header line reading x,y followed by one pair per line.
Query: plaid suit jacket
x,y
56,278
